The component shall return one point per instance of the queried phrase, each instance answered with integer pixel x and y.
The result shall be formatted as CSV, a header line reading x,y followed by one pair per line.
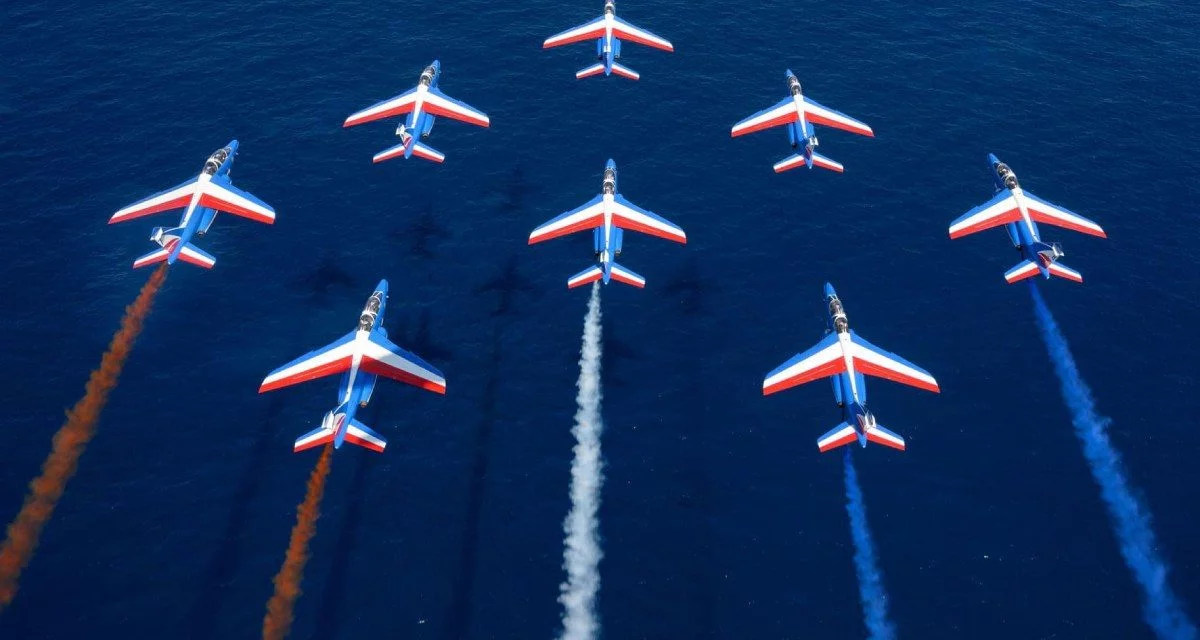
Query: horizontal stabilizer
x,y
879,435
625,276
794,161
826,163
154,257
624,71
587,276
422,150
1064,272
360,434
588,72
1024,269
840,435
314,438
192,254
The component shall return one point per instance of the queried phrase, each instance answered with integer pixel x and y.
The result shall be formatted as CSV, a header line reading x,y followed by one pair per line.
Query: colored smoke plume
x,y
1131,521
870,581
581,552
281,607
69,443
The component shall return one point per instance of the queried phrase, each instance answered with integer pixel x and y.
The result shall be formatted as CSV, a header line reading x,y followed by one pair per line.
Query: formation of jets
x,y
365,354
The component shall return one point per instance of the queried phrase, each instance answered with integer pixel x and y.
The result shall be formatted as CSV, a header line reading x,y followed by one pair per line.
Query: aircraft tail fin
x,y
797,160
154,257
1066,273
315,438
422,150
1024,269
825,162
410,146
625,276
360,434
880,435
624,71
841,435
587,276
192,254
588,72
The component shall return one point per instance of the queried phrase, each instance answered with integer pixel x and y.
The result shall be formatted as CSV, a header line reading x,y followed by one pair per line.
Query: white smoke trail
x,y
582,553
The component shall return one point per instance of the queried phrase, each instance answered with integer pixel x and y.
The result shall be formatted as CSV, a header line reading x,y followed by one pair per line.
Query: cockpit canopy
x,y
1007,176
372,304
215,161
366,321
426,77
610,181
610,7
794,85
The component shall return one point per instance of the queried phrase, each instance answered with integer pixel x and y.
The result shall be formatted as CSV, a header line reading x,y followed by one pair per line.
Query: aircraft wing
x,y
1052,214
326,361
585,31
383,358
821,361
780,114
220,194
588,216
440,104
820,114
398,105
174,198
626,31
872,361
630,216
1001,209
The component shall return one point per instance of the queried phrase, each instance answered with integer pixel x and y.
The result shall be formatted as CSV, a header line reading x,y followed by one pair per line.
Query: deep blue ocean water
x,y
720,519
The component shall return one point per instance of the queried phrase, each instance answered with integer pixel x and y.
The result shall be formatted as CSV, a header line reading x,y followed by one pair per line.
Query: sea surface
x,y
720,519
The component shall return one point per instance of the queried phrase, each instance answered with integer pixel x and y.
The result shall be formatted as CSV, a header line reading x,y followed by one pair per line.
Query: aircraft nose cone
x,y
611,164
789,75
992,159
829,292
383,286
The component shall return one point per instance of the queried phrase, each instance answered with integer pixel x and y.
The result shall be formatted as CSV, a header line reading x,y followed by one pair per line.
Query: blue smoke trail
x,y
870,582
1161,608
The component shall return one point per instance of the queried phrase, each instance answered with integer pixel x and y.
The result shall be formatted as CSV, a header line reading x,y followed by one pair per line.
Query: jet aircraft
x,y
608,30
608,214
201,197
848,358
422,104
800,113
361,357
1020,211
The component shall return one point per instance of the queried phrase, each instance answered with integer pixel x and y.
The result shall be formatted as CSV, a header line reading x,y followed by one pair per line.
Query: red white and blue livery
x,y
361,357
608,31
200,198
608,215
1020,211
799,113
848,358
423,104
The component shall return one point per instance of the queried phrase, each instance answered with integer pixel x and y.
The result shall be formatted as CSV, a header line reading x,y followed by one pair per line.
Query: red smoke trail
x,y
69,443
278,620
